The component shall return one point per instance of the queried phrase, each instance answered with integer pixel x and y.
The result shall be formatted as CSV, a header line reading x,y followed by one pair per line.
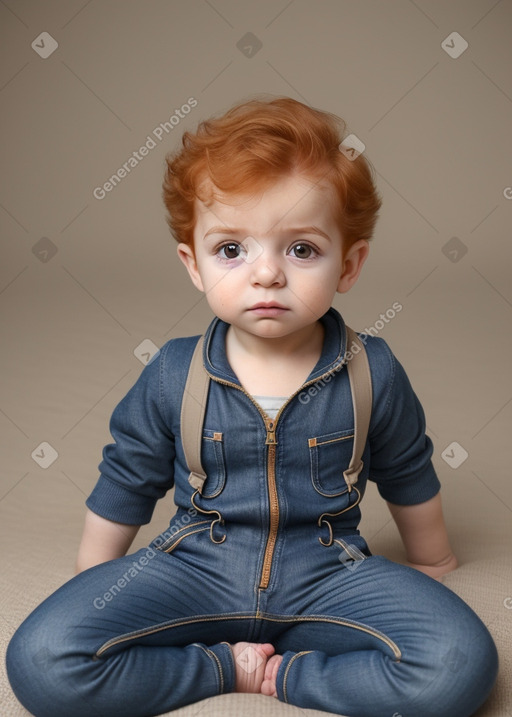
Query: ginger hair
x,y
257,142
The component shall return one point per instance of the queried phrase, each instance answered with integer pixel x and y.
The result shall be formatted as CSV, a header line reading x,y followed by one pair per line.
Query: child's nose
x,y
266,270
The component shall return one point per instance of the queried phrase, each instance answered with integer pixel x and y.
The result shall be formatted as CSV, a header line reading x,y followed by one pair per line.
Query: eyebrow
x,y
293,230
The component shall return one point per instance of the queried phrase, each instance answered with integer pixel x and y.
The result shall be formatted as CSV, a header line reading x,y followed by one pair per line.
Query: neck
x,y
301,344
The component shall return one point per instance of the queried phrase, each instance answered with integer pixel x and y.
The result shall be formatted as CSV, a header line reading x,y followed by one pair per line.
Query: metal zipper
x,y
273,502
271,443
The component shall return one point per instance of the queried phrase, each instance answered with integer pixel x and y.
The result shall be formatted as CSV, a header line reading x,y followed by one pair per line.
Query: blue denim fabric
x,y
269,552
147,457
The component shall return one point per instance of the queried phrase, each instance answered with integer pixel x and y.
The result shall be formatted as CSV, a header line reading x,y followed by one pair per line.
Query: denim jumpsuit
x,y
269,552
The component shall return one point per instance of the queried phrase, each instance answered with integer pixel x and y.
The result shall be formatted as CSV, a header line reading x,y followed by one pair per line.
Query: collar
x,y
333,349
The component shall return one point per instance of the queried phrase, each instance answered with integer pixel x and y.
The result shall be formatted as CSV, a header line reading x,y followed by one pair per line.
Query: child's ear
x,y
353,261
186,254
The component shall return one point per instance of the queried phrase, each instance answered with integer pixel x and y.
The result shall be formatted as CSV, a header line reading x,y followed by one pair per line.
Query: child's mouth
x,y
268,309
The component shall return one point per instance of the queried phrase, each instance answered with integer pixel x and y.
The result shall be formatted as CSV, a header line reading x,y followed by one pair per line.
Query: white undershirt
x,y
271,404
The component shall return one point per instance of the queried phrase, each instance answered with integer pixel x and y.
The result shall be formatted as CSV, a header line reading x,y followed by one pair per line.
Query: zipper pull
x,y
271,434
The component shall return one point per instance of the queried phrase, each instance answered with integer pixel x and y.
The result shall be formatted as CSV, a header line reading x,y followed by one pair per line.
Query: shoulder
x,y
168,366
182,346
163,378
174,351
175,355
381,359
390,382
174,361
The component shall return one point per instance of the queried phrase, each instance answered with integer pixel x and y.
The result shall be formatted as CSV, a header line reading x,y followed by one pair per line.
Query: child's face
x,y
270,265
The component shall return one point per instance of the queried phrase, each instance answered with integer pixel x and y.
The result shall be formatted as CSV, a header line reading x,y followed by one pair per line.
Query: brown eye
x,y
230,251
302,251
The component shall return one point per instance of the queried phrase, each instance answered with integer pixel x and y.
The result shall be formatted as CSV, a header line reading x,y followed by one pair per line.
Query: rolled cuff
x,y
424,487
113,502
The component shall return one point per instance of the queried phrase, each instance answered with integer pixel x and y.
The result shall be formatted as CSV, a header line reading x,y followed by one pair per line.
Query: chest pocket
x,y
214,463
329,456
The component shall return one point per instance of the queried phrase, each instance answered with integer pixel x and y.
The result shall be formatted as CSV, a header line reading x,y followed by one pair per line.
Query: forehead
x,y
290,201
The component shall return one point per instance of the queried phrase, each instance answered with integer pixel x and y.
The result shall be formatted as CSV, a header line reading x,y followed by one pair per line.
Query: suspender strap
x,y
193,407
361,389
195,395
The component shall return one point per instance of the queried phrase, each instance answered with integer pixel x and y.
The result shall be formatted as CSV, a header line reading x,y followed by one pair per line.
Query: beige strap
x,y
361,389
193,407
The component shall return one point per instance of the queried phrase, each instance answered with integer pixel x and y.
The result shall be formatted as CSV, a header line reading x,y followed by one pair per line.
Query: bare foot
x,y
268,686
250,663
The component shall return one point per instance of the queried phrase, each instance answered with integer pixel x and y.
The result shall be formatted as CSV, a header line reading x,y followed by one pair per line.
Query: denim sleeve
x,y
137,469
401,452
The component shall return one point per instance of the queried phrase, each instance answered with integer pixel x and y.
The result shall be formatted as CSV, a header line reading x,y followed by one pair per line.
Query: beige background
x,y
437,130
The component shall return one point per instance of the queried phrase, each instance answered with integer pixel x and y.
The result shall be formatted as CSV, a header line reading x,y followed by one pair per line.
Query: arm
x,y
423,531
137,469
103,540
